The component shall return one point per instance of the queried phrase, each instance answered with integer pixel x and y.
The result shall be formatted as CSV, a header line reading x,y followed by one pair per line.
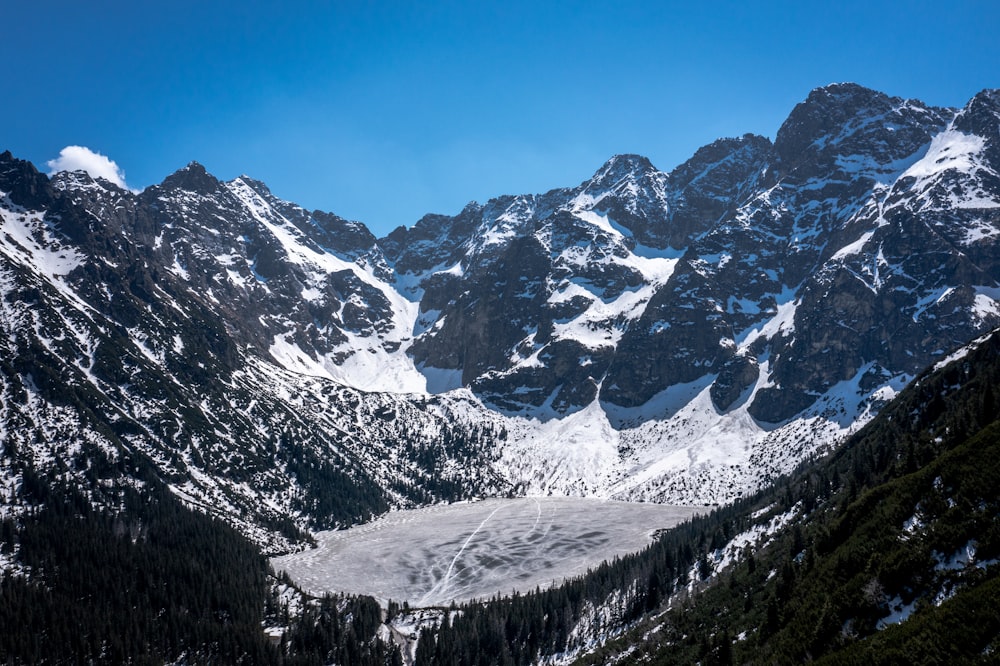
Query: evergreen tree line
x,y
330,496
824,582
450,466
520,629
337,630
155,582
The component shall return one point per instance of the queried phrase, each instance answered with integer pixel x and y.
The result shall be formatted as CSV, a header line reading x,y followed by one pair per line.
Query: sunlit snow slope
x,y
672,336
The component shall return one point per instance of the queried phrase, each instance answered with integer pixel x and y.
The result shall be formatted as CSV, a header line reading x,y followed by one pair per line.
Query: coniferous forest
x,y
881,528
884,522
155,583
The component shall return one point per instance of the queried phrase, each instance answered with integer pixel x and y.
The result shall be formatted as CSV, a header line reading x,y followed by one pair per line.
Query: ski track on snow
x,y
443,583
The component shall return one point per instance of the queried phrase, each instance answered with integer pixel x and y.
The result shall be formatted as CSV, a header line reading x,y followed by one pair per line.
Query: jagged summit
x,y
621,166
81,179
258,186
21,181
847,119
194,178
841,93
643,335
981,116
844,100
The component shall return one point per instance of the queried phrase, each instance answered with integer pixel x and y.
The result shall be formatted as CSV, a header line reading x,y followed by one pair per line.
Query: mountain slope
x,y
756,294
132,337
678,337
886,550
899,555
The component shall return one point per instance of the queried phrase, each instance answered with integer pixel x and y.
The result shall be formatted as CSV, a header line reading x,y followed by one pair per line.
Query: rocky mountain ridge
x,y
674,336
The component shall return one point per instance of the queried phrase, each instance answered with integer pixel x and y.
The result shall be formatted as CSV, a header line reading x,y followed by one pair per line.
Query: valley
x,y
780,329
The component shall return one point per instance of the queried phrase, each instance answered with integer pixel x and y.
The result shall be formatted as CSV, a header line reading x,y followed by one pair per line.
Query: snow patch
x,y
781,323
752,539
962,352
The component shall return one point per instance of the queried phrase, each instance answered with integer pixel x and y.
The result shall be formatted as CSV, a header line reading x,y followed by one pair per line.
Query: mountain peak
x,y
992,95
981,115
839,92
256,185
22,181
10,164
632,160
625,163
716,152
847,119
193,178
823,113
618,168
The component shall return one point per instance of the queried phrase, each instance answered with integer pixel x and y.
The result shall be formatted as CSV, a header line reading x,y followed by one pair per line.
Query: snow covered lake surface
x,y
460,552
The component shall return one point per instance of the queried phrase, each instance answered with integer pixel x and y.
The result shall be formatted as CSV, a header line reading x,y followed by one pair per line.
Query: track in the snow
x,y
458,552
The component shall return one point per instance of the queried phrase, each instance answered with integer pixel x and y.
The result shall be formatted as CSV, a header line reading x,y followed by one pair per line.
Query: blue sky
x,y
384,111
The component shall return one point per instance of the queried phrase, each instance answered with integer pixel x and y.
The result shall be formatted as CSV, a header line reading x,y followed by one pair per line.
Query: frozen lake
x,y
459,552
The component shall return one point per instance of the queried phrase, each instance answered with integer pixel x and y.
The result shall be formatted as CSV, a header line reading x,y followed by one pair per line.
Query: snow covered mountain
x,y
679,335
195,332
674,336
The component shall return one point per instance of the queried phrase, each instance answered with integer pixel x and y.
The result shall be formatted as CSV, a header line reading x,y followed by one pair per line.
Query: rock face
x,y
736,376
193,333
848,236
256,353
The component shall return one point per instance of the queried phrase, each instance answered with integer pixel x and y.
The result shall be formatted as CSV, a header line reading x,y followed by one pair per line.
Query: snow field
x,y
461,552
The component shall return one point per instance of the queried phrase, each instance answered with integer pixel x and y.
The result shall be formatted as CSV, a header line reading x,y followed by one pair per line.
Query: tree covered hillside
x,y
155,582
893,555
886,551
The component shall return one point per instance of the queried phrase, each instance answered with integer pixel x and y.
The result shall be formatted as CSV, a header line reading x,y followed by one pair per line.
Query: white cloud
x,y
81,158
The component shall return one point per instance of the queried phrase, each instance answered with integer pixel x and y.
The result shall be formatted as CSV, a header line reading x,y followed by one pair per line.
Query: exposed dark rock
x,y
863,245
737,375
